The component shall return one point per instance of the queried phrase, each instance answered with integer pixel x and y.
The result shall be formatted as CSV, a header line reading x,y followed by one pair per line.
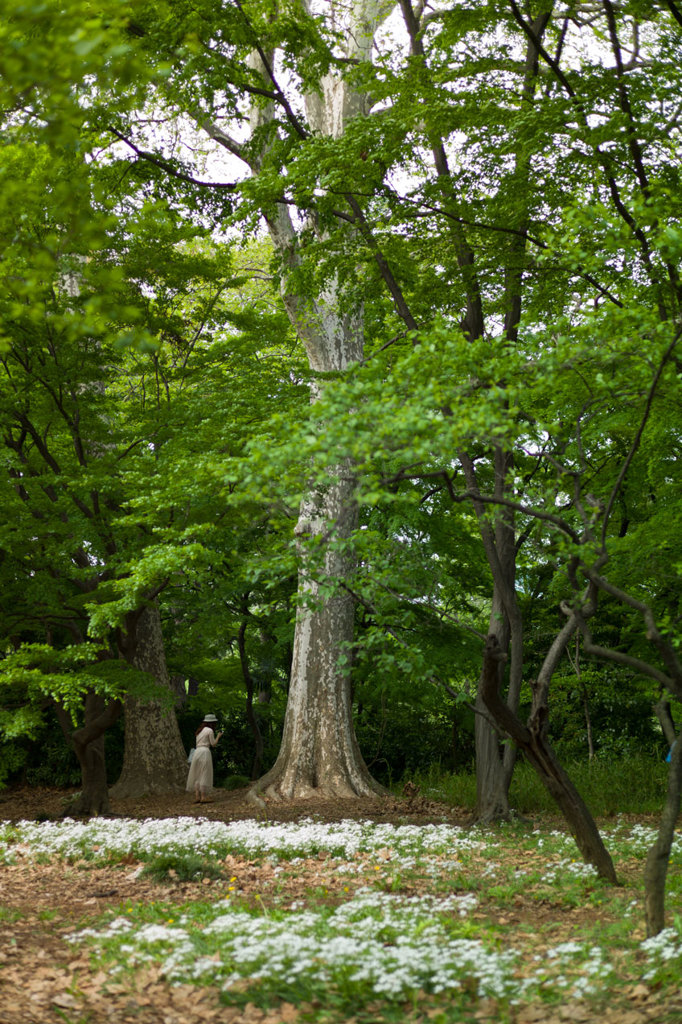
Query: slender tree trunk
x,y
532,739
494,762
492,787
572,806
584,696
88,744
658,858
251,716
494,768
154,759
665,718
588,722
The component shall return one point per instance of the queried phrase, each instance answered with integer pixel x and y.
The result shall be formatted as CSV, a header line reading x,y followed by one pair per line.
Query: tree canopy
x,y
385,297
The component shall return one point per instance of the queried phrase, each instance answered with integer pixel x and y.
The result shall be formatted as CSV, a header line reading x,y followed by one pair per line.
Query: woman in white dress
x,y
200,778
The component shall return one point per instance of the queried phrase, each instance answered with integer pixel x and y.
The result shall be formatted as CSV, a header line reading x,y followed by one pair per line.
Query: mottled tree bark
x,y
154,759
319,755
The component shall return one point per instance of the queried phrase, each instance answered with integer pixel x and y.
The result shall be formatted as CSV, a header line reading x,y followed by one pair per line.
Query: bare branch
x,y
636,664
167,166
225,140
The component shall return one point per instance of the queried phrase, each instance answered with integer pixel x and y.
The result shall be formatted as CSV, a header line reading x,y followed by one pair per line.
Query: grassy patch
x,y
9,915
439,916
608,786
181,866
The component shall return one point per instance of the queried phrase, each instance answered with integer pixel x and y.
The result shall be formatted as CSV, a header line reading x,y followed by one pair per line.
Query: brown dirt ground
x,y
46,980
231,806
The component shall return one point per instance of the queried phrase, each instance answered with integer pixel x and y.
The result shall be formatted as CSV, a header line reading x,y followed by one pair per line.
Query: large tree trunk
x,y
154,759
319,755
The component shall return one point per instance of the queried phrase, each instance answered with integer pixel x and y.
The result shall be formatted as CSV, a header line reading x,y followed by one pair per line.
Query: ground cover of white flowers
x,y
359,917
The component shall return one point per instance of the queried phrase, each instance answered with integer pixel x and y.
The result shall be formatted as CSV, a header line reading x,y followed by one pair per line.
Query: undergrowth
x,y
633,785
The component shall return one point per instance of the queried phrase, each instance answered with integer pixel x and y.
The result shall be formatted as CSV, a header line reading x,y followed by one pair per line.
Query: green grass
x,y
8,915
182,867
634,785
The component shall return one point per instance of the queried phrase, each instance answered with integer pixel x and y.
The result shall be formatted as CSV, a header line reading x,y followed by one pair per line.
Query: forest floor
x,y
46,980
231,805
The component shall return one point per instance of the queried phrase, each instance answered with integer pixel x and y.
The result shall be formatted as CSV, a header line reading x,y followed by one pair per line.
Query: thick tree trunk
x,y
492,787
154,759
658,858
319,755
94,796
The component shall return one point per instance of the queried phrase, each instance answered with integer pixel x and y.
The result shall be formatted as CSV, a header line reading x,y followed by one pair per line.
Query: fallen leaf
x,y
576,1012
252,1013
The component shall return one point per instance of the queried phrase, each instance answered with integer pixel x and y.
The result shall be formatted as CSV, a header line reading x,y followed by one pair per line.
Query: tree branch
x,y
278,95
166,166
638,436
675,11
225,140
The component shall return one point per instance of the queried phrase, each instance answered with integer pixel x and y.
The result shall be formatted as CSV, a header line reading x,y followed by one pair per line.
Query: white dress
x,y
201,769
